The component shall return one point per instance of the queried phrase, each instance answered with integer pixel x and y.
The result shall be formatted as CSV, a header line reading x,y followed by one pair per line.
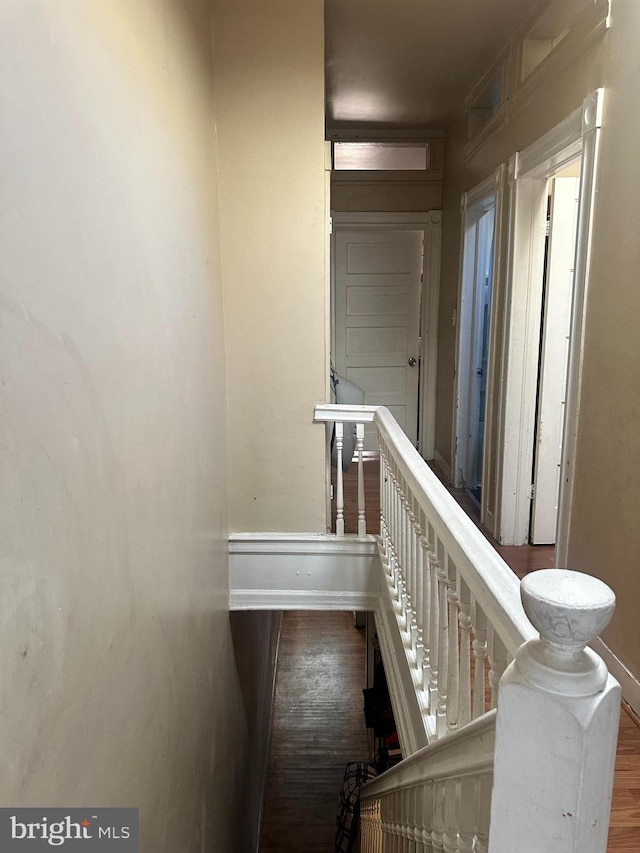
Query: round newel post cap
x,y
568,608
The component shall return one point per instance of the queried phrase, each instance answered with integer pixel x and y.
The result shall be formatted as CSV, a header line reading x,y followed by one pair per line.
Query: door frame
x,y
473,204
429,222
578,136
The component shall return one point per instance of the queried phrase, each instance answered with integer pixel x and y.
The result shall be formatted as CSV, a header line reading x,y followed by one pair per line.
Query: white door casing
x,y
476,203
529,171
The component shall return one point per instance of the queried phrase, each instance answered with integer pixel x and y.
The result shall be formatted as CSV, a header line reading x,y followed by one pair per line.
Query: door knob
x,y
412,362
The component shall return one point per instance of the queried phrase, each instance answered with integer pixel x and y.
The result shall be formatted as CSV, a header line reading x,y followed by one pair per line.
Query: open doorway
x,y
555,337
473,342
477,344
552,193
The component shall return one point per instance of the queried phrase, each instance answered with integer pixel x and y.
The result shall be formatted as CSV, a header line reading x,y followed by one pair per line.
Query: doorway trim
x,y
475,202
429,222
529,171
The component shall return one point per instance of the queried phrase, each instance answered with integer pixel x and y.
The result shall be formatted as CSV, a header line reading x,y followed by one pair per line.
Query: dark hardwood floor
x,y
318,726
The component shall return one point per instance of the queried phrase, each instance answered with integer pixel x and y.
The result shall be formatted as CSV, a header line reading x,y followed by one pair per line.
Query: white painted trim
x,y
629,684
475,202
487,512
330,412
429,356
552,151
301,599
530,170
297,571
592,114
591,23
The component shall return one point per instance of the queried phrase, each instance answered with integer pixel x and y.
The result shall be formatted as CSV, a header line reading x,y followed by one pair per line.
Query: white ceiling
x,y
410,63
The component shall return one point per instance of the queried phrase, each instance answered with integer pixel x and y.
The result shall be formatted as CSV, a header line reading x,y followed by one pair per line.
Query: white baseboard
x,y
629,684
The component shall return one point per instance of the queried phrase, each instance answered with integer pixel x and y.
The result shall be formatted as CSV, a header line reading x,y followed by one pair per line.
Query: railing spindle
x,y
425,607
362,521
443,650
453,657
450,833
497,663
434,629
437,831
339,480
464,618
467,813
484,813
479,630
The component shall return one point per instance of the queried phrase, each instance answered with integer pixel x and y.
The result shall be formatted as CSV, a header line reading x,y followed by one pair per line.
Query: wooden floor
x,y
318,716
318,727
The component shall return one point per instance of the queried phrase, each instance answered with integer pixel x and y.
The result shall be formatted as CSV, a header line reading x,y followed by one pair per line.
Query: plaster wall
x,y
371,195
604,537
120,684
269,77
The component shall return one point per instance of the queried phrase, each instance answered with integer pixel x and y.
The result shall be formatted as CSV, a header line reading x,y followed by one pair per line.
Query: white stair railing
x,y
467,642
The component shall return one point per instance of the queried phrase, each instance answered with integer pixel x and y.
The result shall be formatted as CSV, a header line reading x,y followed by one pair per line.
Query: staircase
x,y
507,719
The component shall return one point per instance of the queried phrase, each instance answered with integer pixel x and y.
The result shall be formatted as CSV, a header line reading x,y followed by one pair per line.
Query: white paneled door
x,y
378,276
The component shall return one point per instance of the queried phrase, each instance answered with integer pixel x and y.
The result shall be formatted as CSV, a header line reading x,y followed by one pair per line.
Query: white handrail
x,y
491,581
455,606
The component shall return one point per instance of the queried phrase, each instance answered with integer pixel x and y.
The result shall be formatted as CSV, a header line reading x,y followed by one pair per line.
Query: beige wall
x,y
120,684
605,538
269,72
605,534
371,195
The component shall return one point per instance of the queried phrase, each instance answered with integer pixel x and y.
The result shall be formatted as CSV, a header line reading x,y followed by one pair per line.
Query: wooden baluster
x,y
450,833
397,827
419,599
497,663
425,609
402,563
453,657
408,562
414,547
384,502
437,831
443,650
339,481
467,813
479,626
434,628
405,820
385,821
416,824
426,816
362,522
484,813
464,618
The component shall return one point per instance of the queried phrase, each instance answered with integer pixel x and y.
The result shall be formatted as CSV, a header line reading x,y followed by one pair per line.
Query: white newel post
x,y
557,724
